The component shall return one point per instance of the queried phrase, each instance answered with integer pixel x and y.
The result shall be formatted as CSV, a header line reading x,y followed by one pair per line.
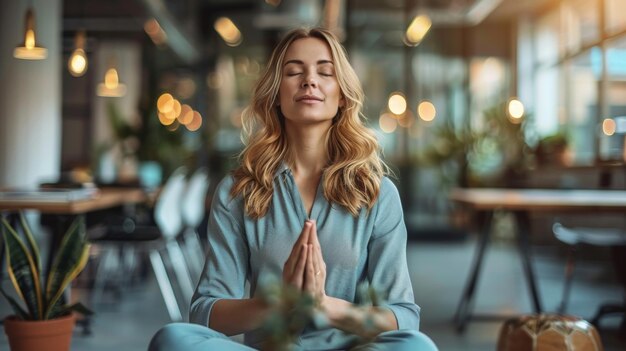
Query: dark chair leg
x,y
569,273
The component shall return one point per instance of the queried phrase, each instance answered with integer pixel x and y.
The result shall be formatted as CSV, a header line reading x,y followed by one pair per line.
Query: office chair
x,y
575,237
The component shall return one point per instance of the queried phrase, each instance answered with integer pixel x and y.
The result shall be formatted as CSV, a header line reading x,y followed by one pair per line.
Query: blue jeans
x,y
193,337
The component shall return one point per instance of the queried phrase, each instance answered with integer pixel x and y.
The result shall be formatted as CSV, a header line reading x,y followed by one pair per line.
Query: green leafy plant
x,y
43,298
290,312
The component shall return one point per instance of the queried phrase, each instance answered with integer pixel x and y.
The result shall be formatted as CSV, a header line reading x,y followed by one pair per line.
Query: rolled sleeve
x,y
387,265
226,265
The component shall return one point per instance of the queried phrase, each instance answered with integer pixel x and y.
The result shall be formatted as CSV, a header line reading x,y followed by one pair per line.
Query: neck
x,y
307,148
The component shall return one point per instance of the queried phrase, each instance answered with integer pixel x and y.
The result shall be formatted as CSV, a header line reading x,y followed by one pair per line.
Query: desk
x,y
106,198
521,202
67,210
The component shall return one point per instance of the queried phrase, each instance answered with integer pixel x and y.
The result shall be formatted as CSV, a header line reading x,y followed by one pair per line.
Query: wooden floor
x,y
438,272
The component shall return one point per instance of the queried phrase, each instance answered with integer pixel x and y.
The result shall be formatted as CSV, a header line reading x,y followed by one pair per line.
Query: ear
x,y
342,101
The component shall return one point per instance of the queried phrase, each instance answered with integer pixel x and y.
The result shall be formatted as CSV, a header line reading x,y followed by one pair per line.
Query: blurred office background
x,y
461,93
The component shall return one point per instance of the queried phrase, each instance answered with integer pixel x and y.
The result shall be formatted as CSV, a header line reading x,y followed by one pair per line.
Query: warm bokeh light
x,y
186,114
515,110
229,32
196,123
165,103
608,126
185,88
77,63
214,80
155,32
397,103
165,120
111,86
174,111
417,30
273,2
111,79
426,111
30,50
387,123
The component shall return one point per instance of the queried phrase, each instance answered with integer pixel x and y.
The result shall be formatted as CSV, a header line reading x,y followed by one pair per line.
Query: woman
x,y
310,200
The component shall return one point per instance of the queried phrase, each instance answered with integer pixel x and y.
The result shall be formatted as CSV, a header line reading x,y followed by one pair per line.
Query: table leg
x,y
523,244
463,312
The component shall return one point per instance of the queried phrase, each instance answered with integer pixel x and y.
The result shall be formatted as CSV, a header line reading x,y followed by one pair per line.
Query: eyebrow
x,y
300,62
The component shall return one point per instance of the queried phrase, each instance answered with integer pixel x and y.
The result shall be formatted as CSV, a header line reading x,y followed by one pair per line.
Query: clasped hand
x,y
305,268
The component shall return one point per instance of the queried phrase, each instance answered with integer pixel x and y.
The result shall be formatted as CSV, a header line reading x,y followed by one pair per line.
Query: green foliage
x,y
25,271
489,153
290,312
148,140
550,148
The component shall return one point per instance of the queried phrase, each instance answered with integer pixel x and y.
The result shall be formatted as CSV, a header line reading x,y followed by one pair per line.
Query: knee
x,y
420,341
412,340
180,336
166,337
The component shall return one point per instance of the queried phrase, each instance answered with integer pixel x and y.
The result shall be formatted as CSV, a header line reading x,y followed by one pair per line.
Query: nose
x,y
309,81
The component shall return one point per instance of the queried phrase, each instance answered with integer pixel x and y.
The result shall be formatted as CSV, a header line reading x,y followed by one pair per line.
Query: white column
x,y
30,98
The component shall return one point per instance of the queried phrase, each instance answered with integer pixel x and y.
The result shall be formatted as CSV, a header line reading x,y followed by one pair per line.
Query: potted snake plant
x,y
43,321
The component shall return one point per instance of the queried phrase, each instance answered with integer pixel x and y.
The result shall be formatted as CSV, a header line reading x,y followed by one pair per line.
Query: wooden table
x,y
67,210
521,202
105,198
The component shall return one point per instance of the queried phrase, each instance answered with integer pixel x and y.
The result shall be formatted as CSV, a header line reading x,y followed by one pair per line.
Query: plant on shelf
x,y
43,295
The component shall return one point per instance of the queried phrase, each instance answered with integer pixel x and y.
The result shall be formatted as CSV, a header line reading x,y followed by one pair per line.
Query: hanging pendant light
x,y
29,50
111,87
77,64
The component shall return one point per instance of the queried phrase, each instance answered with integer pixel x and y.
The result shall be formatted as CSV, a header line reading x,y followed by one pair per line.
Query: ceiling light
x,y
111,87
417,30
515,110
77,64
29,50
229,32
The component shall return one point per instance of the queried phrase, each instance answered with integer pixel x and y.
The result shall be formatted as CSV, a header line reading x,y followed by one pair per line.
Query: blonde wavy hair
x,y
354,171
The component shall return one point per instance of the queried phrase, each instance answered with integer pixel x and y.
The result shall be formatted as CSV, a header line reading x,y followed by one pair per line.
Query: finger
x,y
292,260
309,282
319,259
298,272
305,233
313,239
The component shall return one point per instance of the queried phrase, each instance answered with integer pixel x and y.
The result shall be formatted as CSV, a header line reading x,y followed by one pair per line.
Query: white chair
x,y
161,243
590,236
168,217
193,210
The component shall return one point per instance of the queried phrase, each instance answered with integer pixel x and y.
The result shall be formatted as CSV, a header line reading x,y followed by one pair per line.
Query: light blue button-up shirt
x,y
368,248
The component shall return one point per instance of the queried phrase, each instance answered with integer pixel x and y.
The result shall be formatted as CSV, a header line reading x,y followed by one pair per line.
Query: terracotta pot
x,y
50,335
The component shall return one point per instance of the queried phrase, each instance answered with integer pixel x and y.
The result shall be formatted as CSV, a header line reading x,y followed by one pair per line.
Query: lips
x,y
306,98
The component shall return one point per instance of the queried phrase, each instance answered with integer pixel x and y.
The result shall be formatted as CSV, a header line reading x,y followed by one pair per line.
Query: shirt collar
x,y
282,168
